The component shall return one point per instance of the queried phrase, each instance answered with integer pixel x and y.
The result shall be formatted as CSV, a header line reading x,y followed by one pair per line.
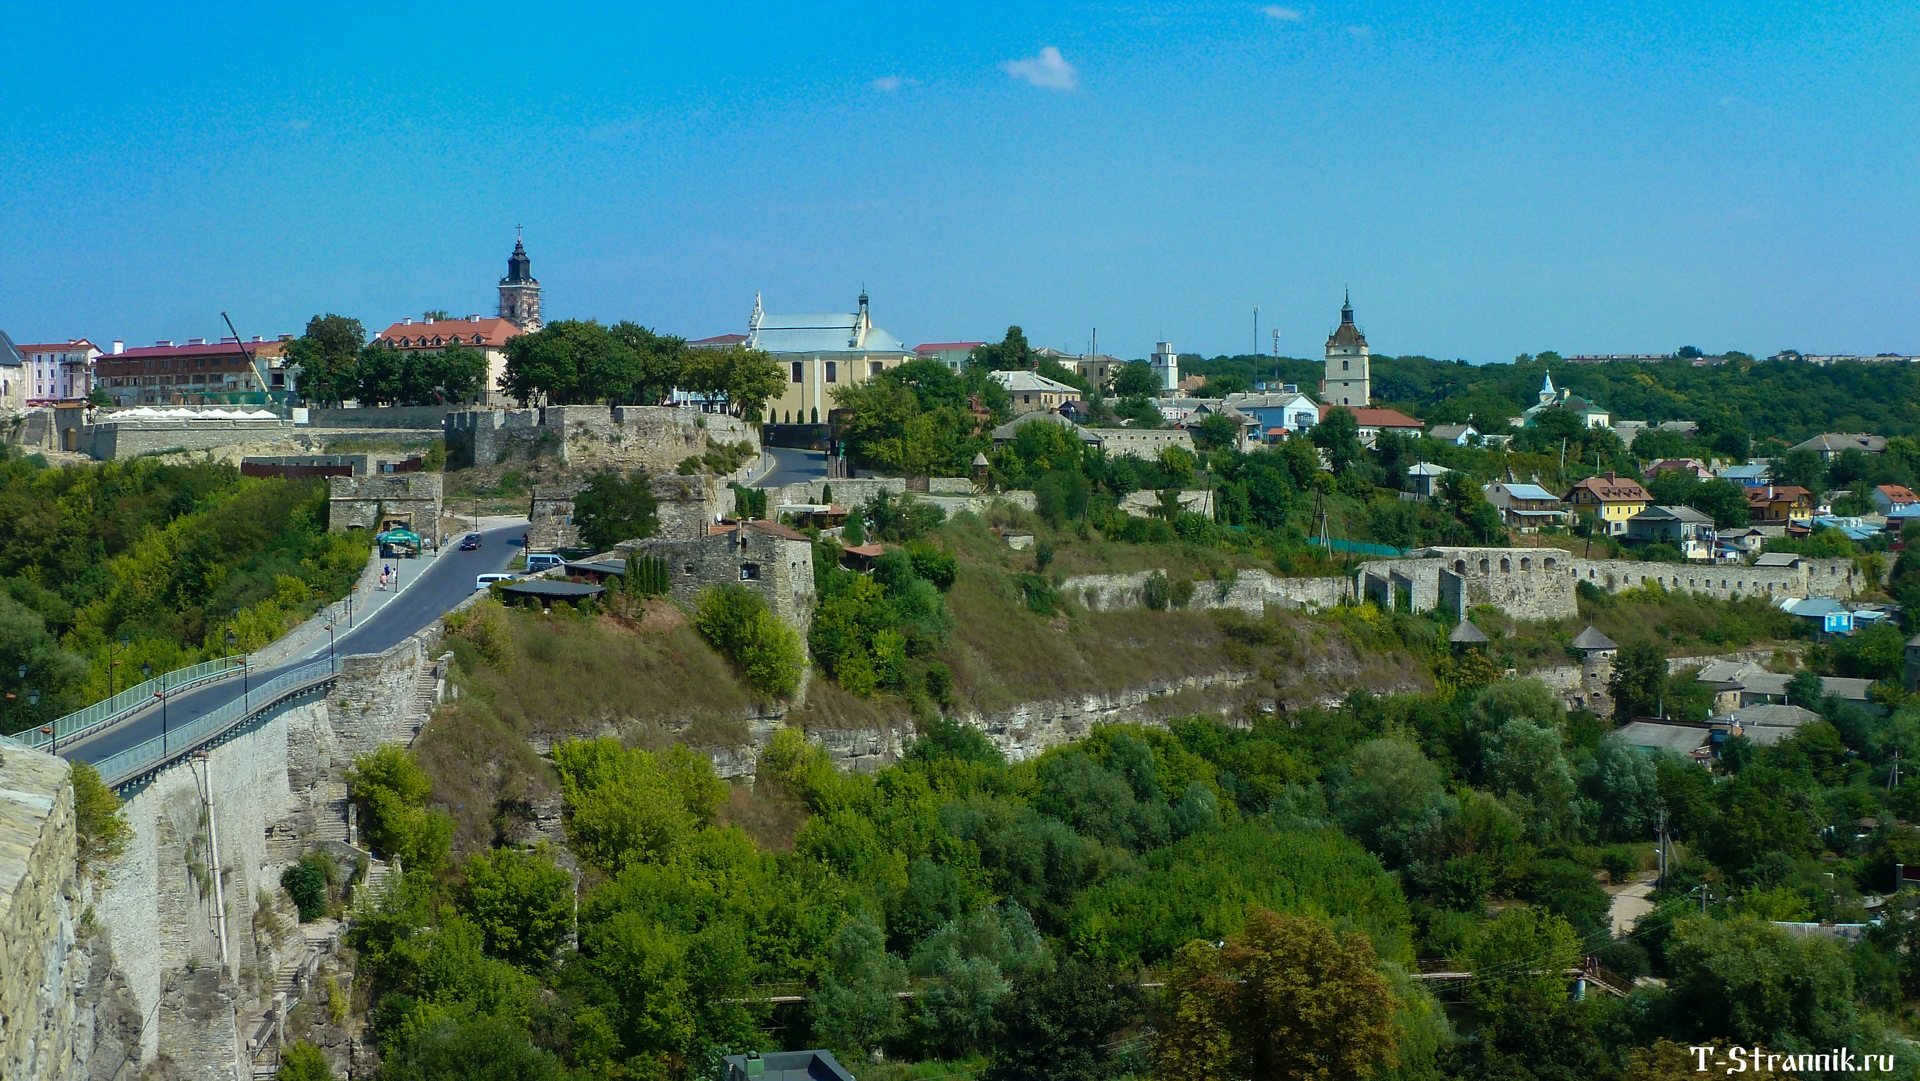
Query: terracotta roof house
x,y
1679,465
1373,420
489,336
1779,504
1888,496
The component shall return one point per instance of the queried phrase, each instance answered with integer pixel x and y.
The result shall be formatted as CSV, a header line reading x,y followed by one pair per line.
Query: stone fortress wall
x,y
1538,583
654,438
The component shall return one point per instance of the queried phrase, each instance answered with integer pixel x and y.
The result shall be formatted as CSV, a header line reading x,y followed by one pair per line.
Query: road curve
x,y
793,466
445,581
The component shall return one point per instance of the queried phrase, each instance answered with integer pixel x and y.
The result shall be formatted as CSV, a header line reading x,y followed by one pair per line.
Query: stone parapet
x,y
41,965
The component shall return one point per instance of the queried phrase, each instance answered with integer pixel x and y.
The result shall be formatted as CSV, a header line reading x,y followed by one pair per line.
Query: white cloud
x,y
1285,15
1049,70
888,84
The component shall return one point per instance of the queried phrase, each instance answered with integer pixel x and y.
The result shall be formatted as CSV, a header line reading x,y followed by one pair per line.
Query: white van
x,y
483,581
540,561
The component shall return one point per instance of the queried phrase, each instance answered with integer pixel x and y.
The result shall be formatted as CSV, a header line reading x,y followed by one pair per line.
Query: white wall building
x,y
1166,368
58,371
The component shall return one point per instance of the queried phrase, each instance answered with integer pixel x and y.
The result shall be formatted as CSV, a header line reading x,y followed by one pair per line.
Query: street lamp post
x,y
113,662
331,667
246,689
146,672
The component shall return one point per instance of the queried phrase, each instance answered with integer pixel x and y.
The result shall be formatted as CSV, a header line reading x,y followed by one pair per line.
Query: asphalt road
x,y
445,581
793,467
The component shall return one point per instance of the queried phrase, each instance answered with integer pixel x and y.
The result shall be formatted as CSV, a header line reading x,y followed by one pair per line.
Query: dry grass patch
x,y
577,676
485,775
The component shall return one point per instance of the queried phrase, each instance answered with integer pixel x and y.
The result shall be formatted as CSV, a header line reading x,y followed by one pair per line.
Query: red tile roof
x,y
1370,417
442,332
222,347
1771,492
720,339
55,347
775,529
1898,493
932,346
1608,488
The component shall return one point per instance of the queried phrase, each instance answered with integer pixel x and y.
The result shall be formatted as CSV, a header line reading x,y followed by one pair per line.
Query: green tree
x,y
1057,1025
303,1061
1639,681
328,355
522,902
1134,379
737,622
476,1049
1010,352
1390,797
1746,980
1338,436
391,791
624,807
570,362
612,508
1290,998
101,832
1216,431
306,882
857,1005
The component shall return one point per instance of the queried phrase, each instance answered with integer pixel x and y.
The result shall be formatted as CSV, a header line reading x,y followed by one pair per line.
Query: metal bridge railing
x,y
127,765
128,702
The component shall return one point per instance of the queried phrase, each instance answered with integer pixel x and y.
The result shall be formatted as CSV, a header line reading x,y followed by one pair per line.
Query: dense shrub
x,y
737,622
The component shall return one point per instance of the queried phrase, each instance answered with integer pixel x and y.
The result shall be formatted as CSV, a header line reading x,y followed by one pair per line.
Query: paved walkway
x,y
1630,902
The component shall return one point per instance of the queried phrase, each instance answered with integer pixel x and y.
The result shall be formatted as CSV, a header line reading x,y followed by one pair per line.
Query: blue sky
x,y
1488,178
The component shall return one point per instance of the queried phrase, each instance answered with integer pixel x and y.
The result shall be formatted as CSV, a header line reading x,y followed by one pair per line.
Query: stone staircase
x,y
330,815
424,695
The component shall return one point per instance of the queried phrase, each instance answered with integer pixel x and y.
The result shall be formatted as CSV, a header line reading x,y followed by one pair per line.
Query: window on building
x,y
873,368
796,371
749,572
833,371
1344,365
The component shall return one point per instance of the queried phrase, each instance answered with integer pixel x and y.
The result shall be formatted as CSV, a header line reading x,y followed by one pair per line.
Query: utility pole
x,y
1256,330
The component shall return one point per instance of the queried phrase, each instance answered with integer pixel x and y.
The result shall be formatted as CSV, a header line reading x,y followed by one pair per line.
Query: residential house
x,y
58,371
1423,479
1888,496
1767,725
1680,465
1779,504
952,354
1006,432
1683,527
1590,414
13,377
821,354
1828,616
783,1066
488,337
1743,683
1525,507
1178,411
1030,392
1655,737
1744,540
1098,369
1374,420
200,372
1611,499
1898,517
1460,435
1829,445
1279,414
1748,475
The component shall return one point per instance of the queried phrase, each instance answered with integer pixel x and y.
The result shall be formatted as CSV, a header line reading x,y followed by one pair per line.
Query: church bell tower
x,y
519,292
1349,378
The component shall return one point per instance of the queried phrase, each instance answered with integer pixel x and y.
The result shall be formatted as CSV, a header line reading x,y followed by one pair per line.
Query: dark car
x,y
470,542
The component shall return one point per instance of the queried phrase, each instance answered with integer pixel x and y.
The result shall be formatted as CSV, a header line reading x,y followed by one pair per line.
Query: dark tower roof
x,y
519,267
1346,333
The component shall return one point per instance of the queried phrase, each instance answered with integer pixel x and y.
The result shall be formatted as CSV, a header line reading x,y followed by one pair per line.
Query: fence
x,y
134,762
133,699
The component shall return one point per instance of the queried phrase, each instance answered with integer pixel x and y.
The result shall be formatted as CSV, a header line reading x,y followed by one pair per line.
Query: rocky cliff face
x,y
42,959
